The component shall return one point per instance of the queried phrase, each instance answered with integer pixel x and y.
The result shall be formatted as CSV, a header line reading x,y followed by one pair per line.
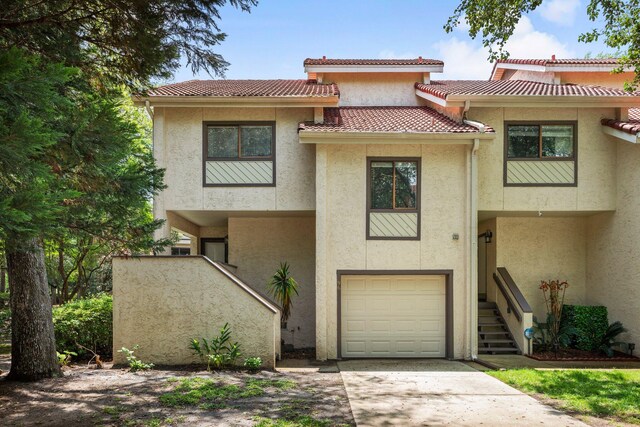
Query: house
x,y
418,215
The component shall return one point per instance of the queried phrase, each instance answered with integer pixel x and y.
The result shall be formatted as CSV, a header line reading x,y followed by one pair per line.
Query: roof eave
x,y
237,101
329,137
427,68
532,100
633,138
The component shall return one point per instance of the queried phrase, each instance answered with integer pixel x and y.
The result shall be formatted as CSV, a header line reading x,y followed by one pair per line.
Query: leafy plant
x,y
219,351
253,363
554,291
282,287
135,364
608,340
547,337
64,358
590,324
85,323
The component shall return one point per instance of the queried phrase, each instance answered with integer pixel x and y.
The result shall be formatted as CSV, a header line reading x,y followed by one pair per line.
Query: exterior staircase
x,y
493,335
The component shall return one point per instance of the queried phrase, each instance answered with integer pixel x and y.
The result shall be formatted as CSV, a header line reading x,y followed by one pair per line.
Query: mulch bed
x,y
573,354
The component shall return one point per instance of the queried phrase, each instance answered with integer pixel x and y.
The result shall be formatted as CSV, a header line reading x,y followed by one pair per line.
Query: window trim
x,y
574,158
206,158
416,210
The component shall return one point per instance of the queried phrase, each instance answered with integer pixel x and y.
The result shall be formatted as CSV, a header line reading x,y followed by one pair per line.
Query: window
x,y
177,250
239,154
242,142
540,141
540,154
393,199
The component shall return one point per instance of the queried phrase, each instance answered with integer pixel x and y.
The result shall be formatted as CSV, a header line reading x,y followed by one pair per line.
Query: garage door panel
x,y
393,316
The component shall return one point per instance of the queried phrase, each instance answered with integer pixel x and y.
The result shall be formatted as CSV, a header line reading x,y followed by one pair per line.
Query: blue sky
x,y
274,39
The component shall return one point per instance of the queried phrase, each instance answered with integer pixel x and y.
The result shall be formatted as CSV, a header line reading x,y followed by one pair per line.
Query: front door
x,y
215,249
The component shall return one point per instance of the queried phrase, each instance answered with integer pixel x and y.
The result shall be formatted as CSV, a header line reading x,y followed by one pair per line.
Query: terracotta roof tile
x,y
442,89
631,126
240,88
574,61
409,62
387,119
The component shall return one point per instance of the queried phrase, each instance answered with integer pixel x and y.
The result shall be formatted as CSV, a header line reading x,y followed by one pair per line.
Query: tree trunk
x,y
33,347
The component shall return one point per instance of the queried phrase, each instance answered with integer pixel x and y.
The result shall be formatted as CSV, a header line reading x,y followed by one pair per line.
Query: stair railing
x,y
516,304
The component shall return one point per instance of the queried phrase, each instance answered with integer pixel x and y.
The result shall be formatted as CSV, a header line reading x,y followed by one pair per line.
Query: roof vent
x,y
324,58
553,57
419,59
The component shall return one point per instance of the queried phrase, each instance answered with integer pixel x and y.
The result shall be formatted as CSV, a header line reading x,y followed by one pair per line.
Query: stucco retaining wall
x,y
161,303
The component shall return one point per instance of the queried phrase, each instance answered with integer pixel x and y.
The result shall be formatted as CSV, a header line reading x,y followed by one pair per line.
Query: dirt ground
x,y
115,397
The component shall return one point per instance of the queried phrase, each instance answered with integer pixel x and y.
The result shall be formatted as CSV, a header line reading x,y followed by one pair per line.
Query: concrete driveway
x,y
438,392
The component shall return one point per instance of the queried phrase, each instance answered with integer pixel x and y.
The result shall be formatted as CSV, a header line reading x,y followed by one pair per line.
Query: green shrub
x,y
219,351
590,324
253,363
88,322
135,364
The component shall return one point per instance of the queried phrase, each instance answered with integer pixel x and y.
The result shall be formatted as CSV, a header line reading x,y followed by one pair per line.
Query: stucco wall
x,y
377,89
258,245
161,303
178,146
613,267
341,225
542,248
600,79
596,164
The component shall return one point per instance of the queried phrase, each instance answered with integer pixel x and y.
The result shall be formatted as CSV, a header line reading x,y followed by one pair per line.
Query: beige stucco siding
x,y
376,89
179,147
595,167
341,224
613,267
258,245
161,303
534,249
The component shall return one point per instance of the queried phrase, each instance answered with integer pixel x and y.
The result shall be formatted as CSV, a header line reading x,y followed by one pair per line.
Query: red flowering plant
x,y
551,334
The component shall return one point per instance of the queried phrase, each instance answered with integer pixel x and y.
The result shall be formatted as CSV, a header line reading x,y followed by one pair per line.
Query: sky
x,y
273,40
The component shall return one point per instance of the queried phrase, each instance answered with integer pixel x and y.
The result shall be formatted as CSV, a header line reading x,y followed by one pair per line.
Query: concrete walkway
x,y
438,392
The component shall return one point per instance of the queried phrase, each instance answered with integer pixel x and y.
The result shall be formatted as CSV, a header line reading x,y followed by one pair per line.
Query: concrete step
x,y
493,350
493,332
486,304
495,341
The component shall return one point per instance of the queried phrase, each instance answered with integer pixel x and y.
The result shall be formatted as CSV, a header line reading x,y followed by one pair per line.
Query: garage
x,y
393,315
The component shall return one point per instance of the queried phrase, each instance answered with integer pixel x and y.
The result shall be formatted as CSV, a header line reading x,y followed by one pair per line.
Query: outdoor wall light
x,y
487,236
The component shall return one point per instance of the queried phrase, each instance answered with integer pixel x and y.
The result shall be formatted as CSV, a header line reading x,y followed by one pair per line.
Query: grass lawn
x,y
611,394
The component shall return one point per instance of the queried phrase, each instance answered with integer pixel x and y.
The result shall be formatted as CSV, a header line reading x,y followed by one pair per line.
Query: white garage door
x,y
393,316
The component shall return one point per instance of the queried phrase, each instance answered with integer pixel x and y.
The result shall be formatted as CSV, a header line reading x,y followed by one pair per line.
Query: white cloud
x,y
561,12
465,59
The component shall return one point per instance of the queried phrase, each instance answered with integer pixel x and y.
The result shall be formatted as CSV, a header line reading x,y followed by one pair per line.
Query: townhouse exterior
x,y
406,206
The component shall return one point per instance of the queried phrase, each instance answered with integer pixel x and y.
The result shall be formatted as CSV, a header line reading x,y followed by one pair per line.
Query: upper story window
x,y
543,141
239,142
393,198
239,154
540,154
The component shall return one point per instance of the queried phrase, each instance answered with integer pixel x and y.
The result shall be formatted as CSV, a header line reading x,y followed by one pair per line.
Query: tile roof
x,y
443,89
410,62
553,61
631,126
241,88
387,119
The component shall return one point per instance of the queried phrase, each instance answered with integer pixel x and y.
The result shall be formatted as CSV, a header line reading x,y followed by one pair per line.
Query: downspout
x,y
473,255
147,107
